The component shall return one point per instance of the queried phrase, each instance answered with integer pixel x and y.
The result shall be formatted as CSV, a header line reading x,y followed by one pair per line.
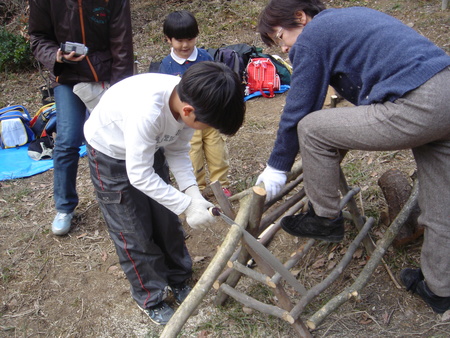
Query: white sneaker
x,y
61,223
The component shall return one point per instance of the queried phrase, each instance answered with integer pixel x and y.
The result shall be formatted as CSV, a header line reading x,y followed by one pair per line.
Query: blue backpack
x,y
15,128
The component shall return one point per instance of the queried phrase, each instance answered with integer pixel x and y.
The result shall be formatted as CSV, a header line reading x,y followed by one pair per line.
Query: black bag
x,y
41,148
234,56
244,51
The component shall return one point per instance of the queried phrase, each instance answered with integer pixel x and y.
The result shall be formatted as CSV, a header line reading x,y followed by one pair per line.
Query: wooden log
x,y
396,189
201,288
348,196
305,248
267,235
358,220
256,211
259,277
257,305
265,238
253,206
268,259
317,318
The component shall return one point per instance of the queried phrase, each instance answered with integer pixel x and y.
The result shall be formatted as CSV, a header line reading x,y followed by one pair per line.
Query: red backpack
x,y
262,76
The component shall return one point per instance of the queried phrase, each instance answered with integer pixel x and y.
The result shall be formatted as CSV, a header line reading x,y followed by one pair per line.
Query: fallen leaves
x,y
365,319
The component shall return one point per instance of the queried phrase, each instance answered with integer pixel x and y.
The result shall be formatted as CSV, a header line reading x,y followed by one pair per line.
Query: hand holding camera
x,y
71,52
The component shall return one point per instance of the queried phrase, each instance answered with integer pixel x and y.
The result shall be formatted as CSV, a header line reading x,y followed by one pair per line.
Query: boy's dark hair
x,y
282,13
216,93
180,25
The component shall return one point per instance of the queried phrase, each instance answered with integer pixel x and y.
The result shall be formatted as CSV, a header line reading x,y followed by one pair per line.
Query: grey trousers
x,y
420,120
148,237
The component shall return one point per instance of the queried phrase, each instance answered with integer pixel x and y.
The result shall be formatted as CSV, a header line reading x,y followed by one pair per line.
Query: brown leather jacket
x,y
104,26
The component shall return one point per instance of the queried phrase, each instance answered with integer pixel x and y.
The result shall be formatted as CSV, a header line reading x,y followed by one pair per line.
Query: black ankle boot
x,y
310,225
414,281
410,278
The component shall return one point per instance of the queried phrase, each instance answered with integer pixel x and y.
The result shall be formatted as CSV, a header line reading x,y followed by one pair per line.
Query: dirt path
x,y
73,286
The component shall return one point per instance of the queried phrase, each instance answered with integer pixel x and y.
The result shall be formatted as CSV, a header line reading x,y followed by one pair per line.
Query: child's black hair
x,y
215,92
180,25
282,13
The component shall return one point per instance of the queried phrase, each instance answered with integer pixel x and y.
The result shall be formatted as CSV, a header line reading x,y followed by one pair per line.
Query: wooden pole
x,y
257,305
254,206
284,191
204,284
259,277
357,218
264,239
280,210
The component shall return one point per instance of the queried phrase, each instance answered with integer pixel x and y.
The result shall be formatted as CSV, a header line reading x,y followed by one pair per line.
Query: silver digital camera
x,y
78,48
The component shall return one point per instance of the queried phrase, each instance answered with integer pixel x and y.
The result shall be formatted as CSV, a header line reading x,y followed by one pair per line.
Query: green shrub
x,y
15,53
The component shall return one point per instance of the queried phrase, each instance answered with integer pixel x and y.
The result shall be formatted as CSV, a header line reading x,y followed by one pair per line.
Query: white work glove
x,y
273,180
197,213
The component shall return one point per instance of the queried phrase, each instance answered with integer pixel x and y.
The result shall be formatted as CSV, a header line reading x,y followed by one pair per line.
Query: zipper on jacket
x,y
83,35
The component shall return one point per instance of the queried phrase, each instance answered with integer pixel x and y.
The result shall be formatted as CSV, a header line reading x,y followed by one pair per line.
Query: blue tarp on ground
x,y
15,163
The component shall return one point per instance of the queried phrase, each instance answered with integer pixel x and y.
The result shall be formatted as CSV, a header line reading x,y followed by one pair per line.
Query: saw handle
x,y
215,211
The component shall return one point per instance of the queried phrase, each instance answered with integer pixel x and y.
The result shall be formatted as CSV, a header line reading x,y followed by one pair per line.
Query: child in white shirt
x,y
140,125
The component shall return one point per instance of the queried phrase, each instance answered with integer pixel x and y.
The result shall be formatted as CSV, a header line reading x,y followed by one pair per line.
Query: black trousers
x,y
149,239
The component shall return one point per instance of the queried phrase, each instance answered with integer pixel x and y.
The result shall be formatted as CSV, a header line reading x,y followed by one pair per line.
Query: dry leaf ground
x,y
72,286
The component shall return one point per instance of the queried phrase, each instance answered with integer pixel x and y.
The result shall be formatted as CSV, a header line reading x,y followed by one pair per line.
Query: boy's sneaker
x,y
309,225
414,281
61,223
227,192
159,314
180,292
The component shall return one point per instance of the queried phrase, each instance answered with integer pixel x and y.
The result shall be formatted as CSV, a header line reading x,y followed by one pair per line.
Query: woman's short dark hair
x,y
216,93
283,13
180,25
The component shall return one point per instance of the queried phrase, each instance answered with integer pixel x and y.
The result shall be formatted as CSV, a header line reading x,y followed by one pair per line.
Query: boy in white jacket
x,y
138,125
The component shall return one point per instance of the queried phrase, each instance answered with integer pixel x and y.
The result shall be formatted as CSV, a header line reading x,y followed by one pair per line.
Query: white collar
x,y
179,60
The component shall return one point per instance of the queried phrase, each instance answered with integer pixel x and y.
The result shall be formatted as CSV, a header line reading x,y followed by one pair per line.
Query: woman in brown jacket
x,y
104,27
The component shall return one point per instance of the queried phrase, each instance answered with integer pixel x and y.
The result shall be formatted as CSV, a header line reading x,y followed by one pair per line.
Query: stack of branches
x,y
250,217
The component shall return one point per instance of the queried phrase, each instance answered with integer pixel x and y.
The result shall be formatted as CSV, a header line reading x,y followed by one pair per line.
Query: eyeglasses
x,y
279,38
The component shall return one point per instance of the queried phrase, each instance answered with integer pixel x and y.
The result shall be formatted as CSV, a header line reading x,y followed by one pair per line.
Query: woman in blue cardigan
x,y
399,83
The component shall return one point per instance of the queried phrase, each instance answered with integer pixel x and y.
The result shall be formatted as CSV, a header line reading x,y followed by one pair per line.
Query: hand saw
x,y
263,252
